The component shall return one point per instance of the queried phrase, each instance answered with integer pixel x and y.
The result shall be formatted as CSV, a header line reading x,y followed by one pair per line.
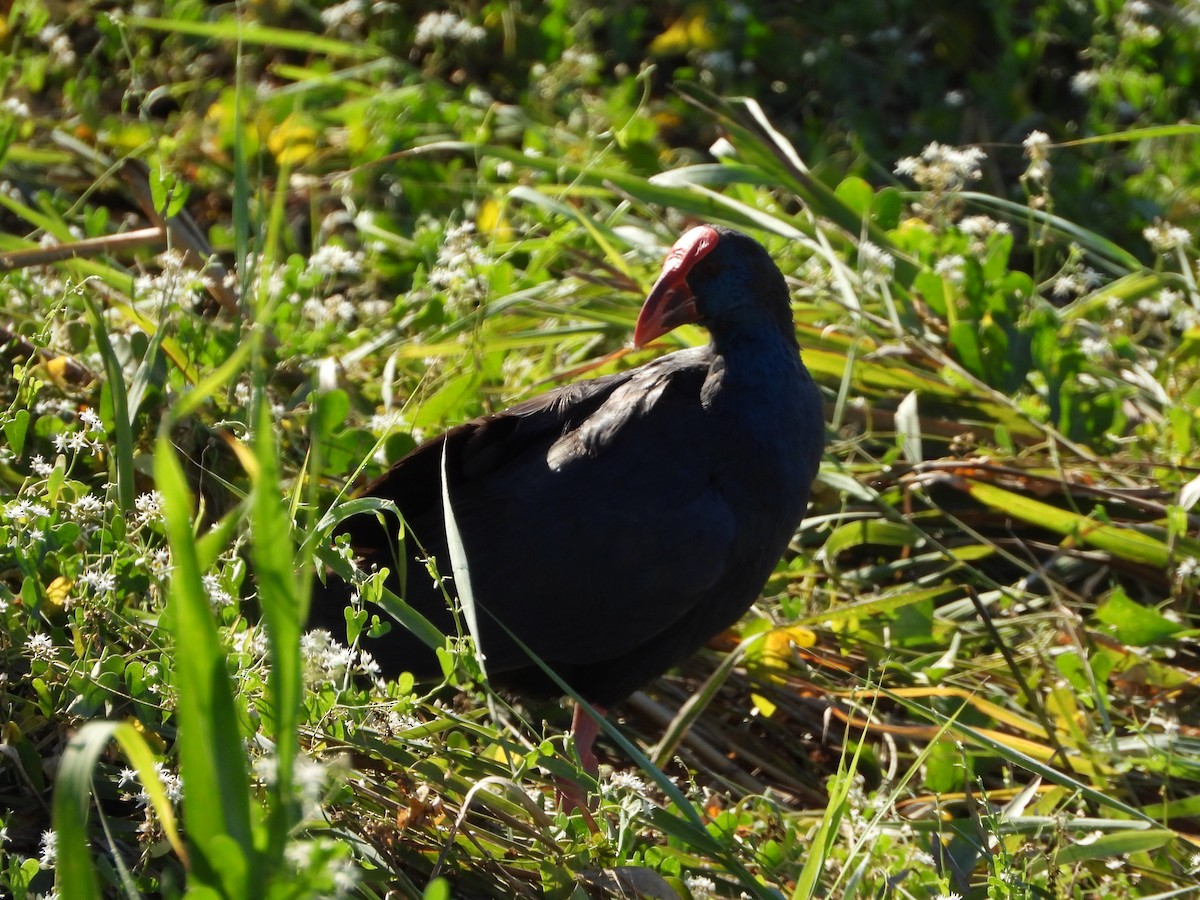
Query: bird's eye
x,y
706,268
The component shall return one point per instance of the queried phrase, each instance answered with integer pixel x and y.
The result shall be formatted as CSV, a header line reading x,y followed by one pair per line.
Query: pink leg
x,y
584,730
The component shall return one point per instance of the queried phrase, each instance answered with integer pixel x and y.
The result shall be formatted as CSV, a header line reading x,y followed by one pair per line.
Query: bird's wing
x,y
593,520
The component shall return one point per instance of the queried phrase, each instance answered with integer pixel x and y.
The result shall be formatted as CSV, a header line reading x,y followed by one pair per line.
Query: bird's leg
x,y
584,730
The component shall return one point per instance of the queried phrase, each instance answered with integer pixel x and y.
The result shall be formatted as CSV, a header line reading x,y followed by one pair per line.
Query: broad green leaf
x,y
15,430
1134,623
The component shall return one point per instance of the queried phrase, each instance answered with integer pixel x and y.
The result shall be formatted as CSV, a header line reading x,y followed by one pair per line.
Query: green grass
x,y
976,671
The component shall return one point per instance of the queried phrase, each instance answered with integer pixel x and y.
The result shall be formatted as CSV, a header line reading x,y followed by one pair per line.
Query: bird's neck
x,y
757,347
752,371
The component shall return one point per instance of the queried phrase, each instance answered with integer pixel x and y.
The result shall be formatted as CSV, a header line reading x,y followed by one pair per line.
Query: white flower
x,y
345,875
217,595
1164,237
367,664
59,45
1186,318
40,646
1187,569
982,226
951,268
701,887
627,781
941,167
1036,144
1066,285
348,13
91,421
299,854
331,259
877,264
1095,347
1085,81
49,844
148,506
172,783
40,466
1161,305
324,658
446,28
100,582
15,108
87,506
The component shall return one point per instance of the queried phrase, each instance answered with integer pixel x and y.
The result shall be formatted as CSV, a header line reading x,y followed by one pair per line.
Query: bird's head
x,y
714,276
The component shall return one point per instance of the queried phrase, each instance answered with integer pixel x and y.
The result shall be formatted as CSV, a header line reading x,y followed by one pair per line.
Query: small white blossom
x,y
951,268
101,583
942,168
1095,347
91,421
86,507
345,875
39,466
149,507
1164,237
1131,26
1187,569
324,657
299,854
446,28
59,45
627,781
1084,82
172,784
1037,148
49,845
877,264
1161,305
332,259
1036,144
982,226
40,646
1186,318
15,108
348,13
217,595
701,887
367,664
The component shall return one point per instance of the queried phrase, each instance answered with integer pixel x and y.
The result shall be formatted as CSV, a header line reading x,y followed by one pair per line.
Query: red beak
x,y
671,302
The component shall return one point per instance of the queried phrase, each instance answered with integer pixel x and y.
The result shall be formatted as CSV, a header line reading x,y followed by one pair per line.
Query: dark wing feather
x,y
556,496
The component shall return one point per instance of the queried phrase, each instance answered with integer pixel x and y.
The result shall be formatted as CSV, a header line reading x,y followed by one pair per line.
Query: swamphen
x,y
617,524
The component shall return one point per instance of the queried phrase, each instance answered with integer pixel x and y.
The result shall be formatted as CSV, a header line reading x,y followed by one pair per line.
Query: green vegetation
x,y
977,674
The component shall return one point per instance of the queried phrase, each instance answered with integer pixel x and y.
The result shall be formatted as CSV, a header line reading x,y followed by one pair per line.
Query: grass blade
x,y
212,761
